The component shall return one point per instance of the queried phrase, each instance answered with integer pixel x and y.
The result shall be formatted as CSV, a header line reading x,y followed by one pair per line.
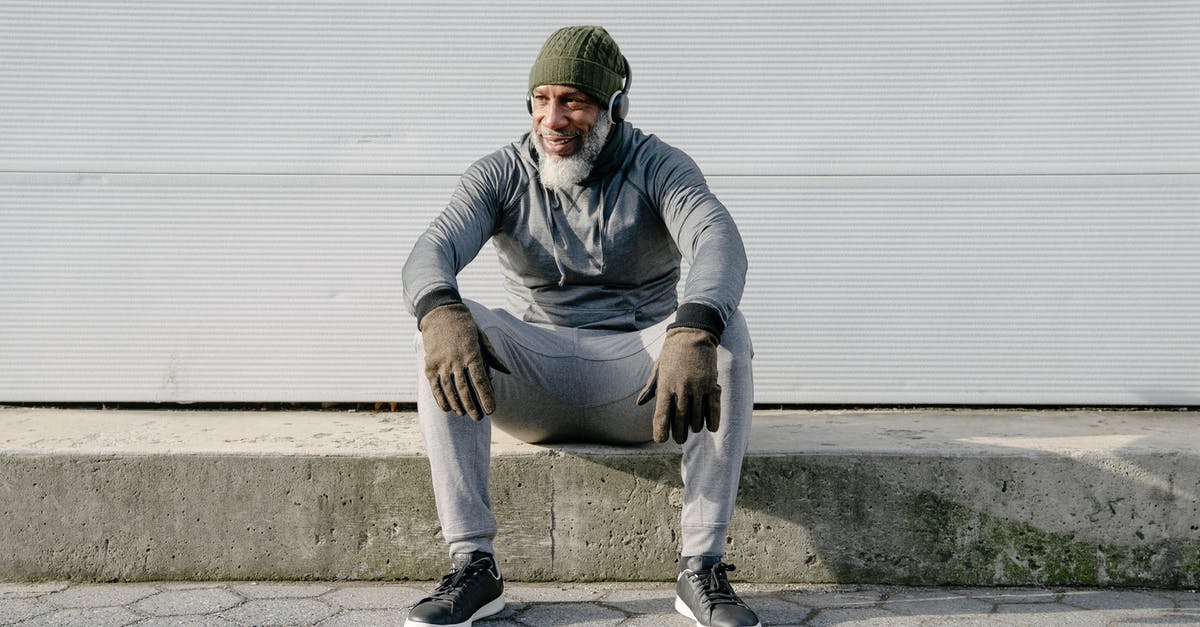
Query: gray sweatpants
x,y
572,385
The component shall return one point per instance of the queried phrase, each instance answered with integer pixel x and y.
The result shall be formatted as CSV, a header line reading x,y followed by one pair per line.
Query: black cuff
x,y
436,298
698,316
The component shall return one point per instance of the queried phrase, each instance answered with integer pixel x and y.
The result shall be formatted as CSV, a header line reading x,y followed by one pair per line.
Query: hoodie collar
x,y
610,156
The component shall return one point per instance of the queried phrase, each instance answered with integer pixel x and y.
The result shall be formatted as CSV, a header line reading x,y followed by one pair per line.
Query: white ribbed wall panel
x,y
988,290
214,288
944,201
748,88
1037,289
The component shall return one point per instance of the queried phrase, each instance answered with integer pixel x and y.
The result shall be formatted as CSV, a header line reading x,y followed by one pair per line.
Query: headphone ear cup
x,y
618,107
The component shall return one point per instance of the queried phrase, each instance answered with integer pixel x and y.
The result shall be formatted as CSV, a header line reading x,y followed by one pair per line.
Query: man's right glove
x,y
457,354
685,381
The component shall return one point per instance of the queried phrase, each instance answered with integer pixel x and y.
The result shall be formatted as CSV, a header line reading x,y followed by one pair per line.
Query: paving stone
x,y
936,603
554,593
573,614
1182,598
85,617
1034,608
957,621
1192,612
662,620
186,621
216,604
100,595
29,590
1055,614
834,597
369,597
1116,600
775,611
281,590
281,612
369,618
856,616
189,585
510,610
1156,617
1014,595
200,601
14,610
395,616
640,601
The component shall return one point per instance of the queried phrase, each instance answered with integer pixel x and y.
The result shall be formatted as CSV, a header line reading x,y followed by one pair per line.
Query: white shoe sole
x,y
683,608
493,607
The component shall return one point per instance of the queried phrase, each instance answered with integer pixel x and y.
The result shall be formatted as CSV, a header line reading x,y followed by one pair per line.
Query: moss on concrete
x,y
952,543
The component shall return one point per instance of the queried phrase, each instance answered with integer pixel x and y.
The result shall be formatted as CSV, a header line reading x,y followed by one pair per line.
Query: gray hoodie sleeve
x,y
707,238
454,238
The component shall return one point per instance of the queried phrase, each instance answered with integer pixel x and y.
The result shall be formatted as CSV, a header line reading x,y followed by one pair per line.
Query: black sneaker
x,y
703,594
472,590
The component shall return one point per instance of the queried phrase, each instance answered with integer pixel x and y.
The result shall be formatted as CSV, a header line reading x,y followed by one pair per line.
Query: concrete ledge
x,y
913,497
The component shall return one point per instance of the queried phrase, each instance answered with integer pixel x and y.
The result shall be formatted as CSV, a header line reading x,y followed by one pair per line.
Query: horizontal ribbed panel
x,y
1071,290
1043,289
747,88
168,269
231,288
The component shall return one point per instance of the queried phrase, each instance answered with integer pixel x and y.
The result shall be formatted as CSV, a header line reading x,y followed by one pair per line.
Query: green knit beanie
x,y
584,57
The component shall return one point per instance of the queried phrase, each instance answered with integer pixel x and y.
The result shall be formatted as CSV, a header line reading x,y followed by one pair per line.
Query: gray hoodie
x,y
603,255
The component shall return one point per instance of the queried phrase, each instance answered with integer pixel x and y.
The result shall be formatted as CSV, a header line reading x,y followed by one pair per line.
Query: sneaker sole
x,y
683,608
495,606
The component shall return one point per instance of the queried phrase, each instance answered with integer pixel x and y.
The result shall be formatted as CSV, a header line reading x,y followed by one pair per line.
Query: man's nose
x,y
555,115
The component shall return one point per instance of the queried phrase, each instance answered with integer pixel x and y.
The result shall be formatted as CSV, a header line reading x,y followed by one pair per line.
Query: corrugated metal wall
x,y
944,201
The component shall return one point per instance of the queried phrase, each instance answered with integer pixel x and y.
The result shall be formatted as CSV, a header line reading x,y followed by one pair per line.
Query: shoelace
x,y
451,586
717,590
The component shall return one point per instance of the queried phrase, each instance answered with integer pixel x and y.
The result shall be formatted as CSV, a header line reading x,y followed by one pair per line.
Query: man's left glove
x,y
457,353
685,380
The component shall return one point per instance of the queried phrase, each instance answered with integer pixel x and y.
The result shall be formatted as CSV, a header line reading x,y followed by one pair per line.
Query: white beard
x,y
566,172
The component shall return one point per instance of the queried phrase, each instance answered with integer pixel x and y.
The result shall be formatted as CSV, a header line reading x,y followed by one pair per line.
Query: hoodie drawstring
x,y
603,226
553,227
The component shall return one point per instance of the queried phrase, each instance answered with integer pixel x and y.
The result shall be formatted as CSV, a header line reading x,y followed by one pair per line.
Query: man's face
x,y
562,118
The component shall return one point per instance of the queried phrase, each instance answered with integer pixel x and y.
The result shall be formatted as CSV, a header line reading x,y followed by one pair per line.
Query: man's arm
x,y
457,352
708,239
453,239
685,377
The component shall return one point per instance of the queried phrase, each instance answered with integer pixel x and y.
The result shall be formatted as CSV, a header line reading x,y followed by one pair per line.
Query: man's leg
x,y
459,451
459,448
712,462
612,371
711,469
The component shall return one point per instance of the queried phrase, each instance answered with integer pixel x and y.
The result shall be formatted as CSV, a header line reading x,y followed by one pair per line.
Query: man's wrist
x,y
699,316
433,300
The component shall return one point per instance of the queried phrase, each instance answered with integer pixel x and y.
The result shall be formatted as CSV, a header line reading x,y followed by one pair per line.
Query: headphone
x,y
618,104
